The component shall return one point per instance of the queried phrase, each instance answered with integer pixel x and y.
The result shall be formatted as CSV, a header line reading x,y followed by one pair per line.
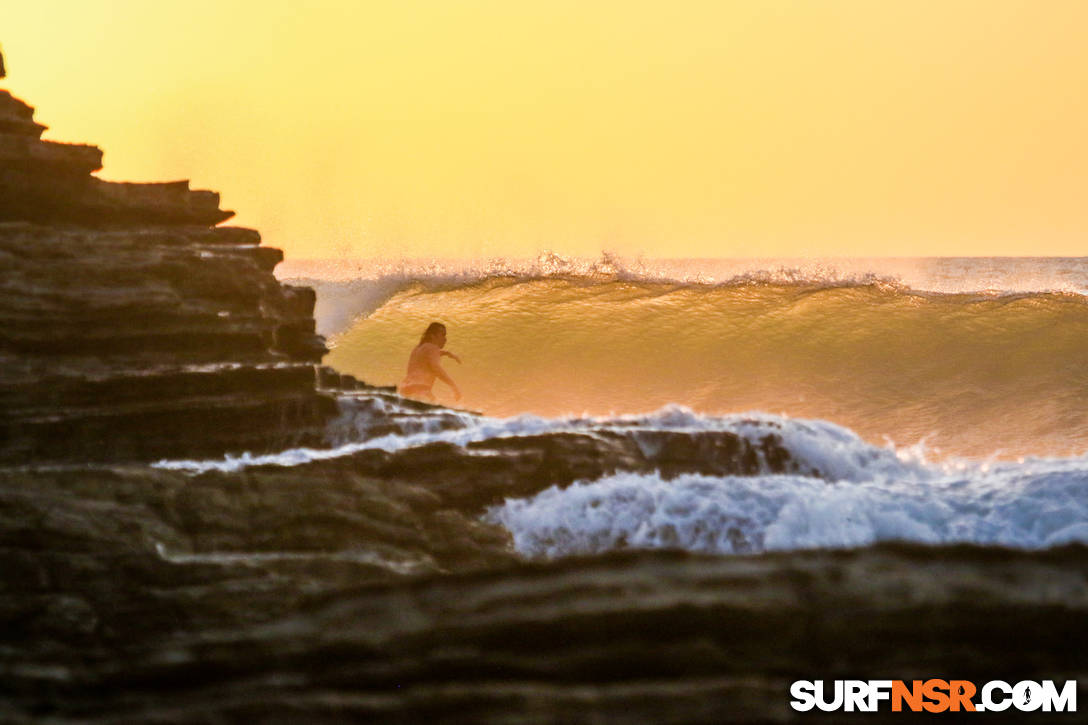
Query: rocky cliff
x,y
131,326
375,583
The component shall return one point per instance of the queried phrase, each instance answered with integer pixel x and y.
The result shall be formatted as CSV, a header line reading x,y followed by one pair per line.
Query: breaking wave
x,y
1036,505
847,492
971,372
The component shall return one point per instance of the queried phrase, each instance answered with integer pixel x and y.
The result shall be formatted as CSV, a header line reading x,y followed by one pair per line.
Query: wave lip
x,y
351,289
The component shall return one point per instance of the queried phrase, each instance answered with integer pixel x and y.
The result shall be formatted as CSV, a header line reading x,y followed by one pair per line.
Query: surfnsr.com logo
x,y
933,696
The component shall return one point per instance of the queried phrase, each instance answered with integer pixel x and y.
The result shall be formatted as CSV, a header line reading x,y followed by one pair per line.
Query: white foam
x,y
475,429
834,451
1029,505
859,494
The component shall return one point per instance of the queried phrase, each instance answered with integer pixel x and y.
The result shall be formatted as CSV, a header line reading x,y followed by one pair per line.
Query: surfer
x,y
425,364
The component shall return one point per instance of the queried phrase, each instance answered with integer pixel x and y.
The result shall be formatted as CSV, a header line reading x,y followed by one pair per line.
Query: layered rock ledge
x,y
136,595
131,326
369,587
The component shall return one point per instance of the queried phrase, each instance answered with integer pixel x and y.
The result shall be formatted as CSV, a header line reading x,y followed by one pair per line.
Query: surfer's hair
x,y
432,332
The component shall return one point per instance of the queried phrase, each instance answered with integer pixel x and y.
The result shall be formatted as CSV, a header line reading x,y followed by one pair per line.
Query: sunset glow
x,y
414,128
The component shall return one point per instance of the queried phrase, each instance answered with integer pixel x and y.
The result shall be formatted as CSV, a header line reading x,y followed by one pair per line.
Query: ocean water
x,y
853,494
972,357
938,401
674,487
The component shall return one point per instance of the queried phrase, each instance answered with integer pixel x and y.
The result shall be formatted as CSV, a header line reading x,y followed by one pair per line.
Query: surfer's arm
x,y
435,358
451,355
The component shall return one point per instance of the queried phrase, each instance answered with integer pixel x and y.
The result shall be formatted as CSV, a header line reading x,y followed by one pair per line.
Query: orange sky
x,y
416,128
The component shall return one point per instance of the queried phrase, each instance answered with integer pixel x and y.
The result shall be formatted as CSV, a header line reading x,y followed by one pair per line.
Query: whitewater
x,y
931,401
852,493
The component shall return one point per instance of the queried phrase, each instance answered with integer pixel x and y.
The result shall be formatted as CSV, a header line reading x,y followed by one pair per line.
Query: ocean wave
x,y
976,372
1034,505
342,301
845,492
350,289
830,450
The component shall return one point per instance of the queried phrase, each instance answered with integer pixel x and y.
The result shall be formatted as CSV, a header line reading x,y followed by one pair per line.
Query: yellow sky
x,y
466,128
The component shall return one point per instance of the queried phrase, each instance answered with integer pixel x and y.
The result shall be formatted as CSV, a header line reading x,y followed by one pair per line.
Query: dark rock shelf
x,y
132,327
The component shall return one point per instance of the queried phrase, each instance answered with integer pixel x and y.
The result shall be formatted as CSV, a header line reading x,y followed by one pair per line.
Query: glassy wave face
x,y
976,358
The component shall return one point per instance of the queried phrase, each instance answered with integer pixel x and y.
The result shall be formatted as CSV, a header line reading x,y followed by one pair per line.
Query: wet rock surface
x,y
329,593
135,595
482,474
